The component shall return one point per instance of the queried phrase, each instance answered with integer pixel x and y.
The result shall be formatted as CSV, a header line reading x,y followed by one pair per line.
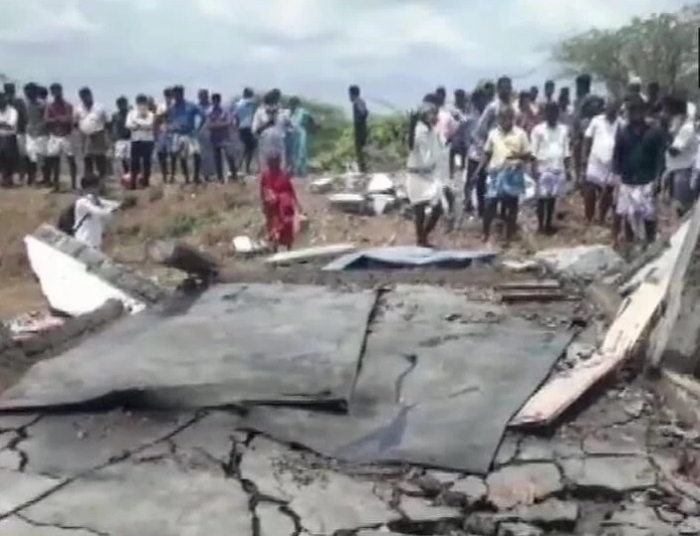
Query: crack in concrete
x,y
38,524
111,461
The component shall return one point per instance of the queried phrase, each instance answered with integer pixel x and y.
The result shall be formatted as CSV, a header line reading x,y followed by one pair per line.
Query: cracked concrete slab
x,y
17,489
176,496
614,475
212,434
65,445
273,521
638,520
264,343
15,526
324,500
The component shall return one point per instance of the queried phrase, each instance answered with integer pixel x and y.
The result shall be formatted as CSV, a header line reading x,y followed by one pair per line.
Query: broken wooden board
x,y
635,317
310,254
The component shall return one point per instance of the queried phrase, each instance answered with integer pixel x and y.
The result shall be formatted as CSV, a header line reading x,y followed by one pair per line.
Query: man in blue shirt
x,y
243,112
186,119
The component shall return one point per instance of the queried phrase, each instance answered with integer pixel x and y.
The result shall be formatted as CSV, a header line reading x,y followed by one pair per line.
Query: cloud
x,y
395,49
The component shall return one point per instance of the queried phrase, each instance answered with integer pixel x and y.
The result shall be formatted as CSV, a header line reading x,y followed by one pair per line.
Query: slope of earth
x,y
210,216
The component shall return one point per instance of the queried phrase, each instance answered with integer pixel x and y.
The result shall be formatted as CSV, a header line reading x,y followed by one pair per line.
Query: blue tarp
x,y
410,257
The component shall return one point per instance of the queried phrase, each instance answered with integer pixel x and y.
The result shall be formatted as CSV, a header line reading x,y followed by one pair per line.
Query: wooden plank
x,y
533,284
558,394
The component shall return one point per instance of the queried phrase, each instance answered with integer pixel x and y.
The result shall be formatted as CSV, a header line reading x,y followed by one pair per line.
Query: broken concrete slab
x,y
471,488
324,500
77,279
349,202
611,475
322,185
314,254
551,514
19,489
274,521
380,183
213,434
401,257
167,497
302,346
581,262
517,485
16,526
66,445
420,510
638,520
246,246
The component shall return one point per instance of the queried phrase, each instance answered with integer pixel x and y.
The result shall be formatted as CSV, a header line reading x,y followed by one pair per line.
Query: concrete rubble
x,y
624,463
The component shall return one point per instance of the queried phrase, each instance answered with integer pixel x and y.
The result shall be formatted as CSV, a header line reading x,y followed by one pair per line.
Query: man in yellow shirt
x,y
506,151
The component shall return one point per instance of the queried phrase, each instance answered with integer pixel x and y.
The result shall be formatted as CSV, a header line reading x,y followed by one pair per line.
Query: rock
x,y
688,507
421,510
471,488
669,516
520,266
506,450
550,514
577,352
348,202
444,477
410,488
581,262
518,529
244,245
534,449
689,526
319,253
430,485
614,475
516,485
321,185
638,520
480,523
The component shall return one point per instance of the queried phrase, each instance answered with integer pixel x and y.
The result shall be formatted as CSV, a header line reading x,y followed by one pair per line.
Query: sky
x,y
396,50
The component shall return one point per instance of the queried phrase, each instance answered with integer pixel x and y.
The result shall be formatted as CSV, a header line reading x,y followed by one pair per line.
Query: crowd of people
x,y
620,154
207,140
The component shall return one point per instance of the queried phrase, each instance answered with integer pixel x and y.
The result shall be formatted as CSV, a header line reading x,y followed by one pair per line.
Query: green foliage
x,y
660,48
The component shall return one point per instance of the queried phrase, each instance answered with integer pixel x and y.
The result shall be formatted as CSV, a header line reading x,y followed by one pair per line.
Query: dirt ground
x,y
210,216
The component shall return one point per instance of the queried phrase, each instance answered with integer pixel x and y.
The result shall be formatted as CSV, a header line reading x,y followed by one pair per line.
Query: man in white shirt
x,y
141,122
92,213
598,147
92,121
681,155
550,145
9,152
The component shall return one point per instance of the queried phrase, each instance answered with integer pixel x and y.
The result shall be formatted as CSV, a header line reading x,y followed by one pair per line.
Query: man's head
x,y
86,96
441,94
168,93
10,90
203,96
142,102
43,93
122,104
636,109
534,92
178,94
90,184
460,98
56,91
635,86
583,85
612,109
270,101
31,91
353,92
523,99
489,89
428,111
564,97
551,113
506,118
504,89
675,105
478,99
549,88
294,103
216,100
248,93
653,91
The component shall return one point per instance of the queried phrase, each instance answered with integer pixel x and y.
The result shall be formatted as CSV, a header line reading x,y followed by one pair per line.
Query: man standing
x,y
220,132
680,156
140,123
92,123
9,119
18,104
59,123
37,135
243,113
586,107
206,149
361,129
598,146
163,135
122,135
552,152
549,89
185,120
638,160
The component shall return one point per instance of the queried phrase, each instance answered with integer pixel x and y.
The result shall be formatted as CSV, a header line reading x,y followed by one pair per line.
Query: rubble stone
x,y
581,262
614,475
519,529
471,488
638,520
551,514
689,526
516,485
421,510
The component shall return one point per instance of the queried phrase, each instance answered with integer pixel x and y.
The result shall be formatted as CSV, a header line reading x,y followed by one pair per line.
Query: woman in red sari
x,y
280,203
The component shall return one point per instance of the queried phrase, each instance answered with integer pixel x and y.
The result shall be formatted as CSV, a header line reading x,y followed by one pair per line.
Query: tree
x,y
662,48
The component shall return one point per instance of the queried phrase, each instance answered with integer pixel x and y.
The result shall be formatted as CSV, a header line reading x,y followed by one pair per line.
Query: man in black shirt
x,y
359,117
638,160
21,106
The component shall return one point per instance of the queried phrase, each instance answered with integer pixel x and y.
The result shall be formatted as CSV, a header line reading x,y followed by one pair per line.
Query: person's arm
x,y
588,139
618,153
682,140
486,158
567,154
484,124
93,209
